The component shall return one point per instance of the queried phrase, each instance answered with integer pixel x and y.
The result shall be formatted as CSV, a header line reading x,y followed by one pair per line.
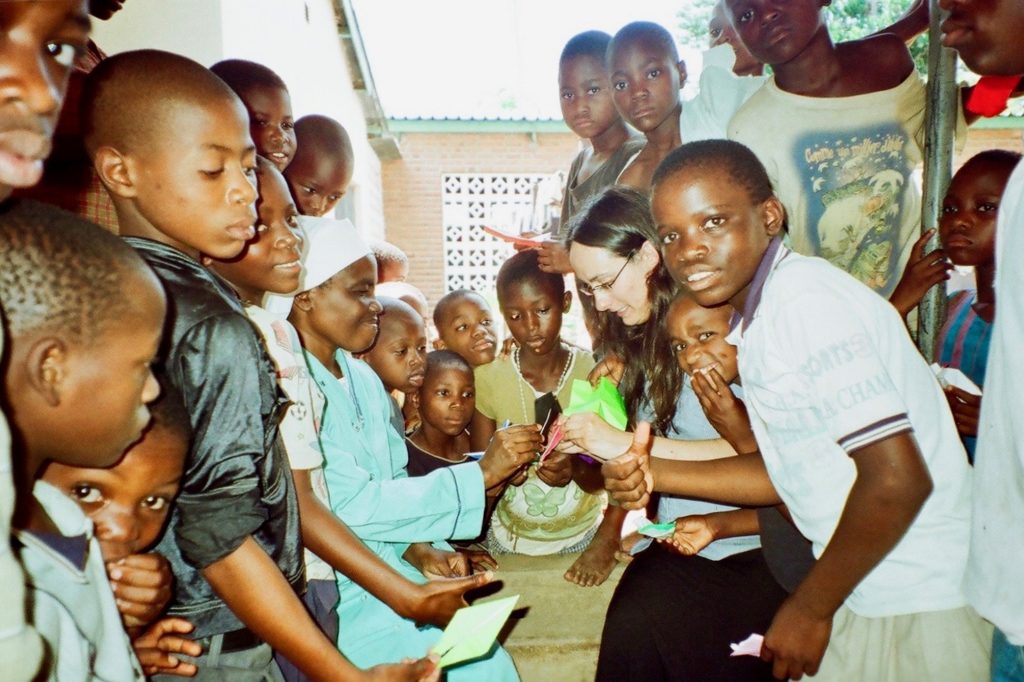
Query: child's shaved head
x,y
132,98
240,75
321,170
587,44
646,32
64,274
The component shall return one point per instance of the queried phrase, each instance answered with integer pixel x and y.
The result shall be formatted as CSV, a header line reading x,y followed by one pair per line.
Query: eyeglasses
x,y
591,289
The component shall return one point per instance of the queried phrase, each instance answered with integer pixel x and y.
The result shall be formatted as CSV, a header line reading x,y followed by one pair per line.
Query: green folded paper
x,y
472,631
658,530
603,400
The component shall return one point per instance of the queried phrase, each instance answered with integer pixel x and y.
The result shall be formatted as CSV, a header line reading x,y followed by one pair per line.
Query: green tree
x,y
847,20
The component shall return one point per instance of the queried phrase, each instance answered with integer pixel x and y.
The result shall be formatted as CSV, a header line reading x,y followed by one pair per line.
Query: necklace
x,y
569,363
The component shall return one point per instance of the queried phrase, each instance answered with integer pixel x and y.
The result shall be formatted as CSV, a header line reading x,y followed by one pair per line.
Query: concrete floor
x,y
555,631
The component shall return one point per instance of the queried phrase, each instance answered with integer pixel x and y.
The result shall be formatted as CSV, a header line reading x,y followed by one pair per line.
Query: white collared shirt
x,y
828,368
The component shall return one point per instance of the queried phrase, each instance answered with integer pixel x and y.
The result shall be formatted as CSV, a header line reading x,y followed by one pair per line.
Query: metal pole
x,y
940,129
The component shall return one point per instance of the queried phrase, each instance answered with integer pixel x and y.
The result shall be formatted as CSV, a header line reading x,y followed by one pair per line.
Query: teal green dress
x,y
369,489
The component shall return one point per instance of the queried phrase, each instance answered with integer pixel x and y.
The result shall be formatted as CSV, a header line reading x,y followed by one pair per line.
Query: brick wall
x,y
412,186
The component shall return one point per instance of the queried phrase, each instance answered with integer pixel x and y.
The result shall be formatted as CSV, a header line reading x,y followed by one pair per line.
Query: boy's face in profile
x,y
585,96
400,352
317,180
698,338
271,124
129,502
777,41
447,399
468,329
533,314
196,184
344,308
987,34
39,42
645,83
713,236
272,260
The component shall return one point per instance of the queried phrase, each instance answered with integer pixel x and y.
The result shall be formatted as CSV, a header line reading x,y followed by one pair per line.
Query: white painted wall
x,y
307,54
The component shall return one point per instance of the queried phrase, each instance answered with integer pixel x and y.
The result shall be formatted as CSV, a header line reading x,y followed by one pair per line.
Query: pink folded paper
x,y
554,438
751,646
514,239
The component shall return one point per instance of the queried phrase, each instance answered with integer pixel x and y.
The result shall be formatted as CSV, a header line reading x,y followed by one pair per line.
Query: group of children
x,y
235,459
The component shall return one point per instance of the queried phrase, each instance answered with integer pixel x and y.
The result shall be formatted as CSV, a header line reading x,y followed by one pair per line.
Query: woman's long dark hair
x,y
619,220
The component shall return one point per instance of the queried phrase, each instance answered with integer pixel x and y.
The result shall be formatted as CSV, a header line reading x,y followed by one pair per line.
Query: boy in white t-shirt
x,y
854,436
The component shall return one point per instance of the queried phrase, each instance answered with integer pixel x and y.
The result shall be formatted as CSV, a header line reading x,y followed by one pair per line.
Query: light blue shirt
x,y
690,423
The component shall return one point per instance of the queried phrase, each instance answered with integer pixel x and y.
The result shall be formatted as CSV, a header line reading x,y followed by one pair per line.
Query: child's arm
x,y
142,587
923,271
741,480
891,486
589,434
254,588
966,408
694,533
911,24
329,538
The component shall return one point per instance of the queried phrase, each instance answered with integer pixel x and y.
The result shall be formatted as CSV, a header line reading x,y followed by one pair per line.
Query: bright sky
x,y
465,58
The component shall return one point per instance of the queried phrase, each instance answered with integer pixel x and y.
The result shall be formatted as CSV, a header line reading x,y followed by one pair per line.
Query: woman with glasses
x,y
672,616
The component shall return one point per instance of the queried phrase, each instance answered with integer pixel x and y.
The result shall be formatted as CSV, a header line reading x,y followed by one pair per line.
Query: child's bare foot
x,y
596,563
624,552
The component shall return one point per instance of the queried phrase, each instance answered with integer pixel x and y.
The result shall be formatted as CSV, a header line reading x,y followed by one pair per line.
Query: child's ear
x,y
439,344
774,214
566,302
681,67
46,368
114,171
303,302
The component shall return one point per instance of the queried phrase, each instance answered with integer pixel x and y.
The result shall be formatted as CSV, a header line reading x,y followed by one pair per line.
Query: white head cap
x,y
331,245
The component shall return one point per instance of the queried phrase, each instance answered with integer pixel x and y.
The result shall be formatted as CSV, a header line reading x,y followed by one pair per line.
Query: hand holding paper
x,y
514,239
658,531
473,630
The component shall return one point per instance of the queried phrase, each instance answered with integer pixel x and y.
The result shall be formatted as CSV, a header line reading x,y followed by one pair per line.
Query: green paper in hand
x,y
603,400
473,630
658,530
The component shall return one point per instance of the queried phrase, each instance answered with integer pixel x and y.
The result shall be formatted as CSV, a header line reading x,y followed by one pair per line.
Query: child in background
x,y
321,170
987,36
558,508
646,76
128,505
465,325
721,589
721,32
77,382
183,186
881,487
267,265
266,98
33,101
840,129
399,354
392,263
585,95
369,489
967,231
446,401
